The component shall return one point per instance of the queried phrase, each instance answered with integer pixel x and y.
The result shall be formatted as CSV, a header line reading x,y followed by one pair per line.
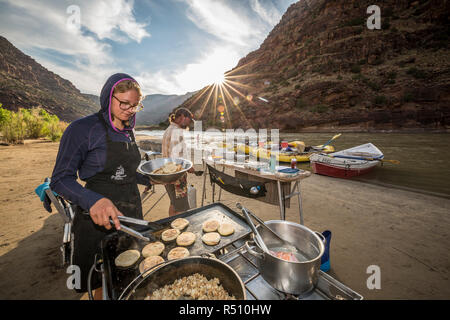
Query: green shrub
x,y
390,81
378,61
29,123
321,108
372,84
13,130
353,22
416,73
292,73
5,117
299,103
355,68
33,123
392,75
408,97
380,100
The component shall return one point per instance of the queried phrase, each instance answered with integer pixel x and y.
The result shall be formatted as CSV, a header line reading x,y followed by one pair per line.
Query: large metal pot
x,y
290,277
172,270
148,167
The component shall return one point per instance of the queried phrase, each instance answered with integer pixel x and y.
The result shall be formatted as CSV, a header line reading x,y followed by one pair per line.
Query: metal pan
x,y
167,273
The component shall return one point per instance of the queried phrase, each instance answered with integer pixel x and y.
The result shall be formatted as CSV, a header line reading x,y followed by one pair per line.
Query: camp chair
x,y
66,211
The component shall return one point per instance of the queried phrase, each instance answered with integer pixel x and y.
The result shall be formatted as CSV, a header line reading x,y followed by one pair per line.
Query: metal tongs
x,y
130,231
154,226
258,237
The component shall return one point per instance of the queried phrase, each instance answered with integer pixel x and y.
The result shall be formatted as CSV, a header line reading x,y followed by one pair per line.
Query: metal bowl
x,y
148,167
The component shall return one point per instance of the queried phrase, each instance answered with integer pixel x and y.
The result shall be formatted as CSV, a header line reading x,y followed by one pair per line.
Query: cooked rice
x,y
195,287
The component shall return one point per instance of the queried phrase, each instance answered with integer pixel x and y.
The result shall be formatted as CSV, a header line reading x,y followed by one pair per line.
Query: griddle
x,y
118,279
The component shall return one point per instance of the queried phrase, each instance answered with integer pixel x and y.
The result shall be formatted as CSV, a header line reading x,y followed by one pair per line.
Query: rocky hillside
x,y
25,83
321,68
158,107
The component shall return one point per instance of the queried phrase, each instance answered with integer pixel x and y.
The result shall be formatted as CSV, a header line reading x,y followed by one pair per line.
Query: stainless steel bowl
x,y
148,167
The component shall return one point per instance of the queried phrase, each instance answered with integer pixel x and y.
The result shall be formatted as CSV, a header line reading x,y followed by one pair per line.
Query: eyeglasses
x,y
127,106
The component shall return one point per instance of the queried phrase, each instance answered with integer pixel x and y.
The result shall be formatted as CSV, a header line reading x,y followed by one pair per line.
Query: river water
x,y
423,158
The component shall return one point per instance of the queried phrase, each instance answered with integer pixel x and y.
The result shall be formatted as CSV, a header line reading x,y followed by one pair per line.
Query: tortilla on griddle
x,y
170,235
179,223
127,258
178,253
211,238
186,239
210,225
148,264
153,249
226,229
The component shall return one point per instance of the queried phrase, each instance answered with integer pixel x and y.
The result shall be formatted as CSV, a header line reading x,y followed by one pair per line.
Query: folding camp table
x,y
240,169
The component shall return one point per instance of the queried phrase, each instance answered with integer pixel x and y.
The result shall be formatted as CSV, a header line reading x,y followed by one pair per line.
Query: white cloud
x,y
268,12
106,19
92,61
224,22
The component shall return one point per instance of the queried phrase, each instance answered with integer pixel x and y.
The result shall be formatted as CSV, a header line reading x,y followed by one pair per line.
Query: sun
x,y
219,79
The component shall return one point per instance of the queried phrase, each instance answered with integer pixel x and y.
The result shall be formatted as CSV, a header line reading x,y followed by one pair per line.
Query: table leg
x,y
300,209
280,195
220,190
204,182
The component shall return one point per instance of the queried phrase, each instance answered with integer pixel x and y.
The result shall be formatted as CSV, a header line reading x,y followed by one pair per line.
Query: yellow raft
x,y
263,153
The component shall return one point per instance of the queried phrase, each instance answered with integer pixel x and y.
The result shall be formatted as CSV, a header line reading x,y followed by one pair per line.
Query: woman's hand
x,y
102,210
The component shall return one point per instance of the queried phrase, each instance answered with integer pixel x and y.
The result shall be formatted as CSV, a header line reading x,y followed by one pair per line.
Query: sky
x,y
168,46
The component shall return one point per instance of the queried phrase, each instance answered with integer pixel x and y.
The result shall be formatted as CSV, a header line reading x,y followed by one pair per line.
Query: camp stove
x,y
231,251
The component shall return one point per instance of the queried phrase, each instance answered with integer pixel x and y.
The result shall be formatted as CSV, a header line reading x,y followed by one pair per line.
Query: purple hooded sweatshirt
x,y
82,150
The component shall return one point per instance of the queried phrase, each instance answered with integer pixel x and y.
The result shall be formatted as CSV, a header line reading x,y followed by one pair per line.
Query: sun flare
x,y
219,79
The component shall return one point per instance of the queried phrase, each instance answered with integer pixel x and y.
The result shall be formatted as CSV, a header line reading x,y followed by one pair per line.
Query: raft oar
x,y
368,159
329,141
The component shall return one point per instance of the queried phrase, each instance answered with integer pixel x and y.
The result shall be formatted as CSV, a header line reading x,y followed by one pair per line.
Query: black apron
x,y
118,183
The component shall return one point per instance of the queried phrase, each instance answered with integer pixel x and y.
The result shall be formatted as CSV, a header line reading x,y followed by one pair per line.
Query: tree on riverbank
x,y
29,124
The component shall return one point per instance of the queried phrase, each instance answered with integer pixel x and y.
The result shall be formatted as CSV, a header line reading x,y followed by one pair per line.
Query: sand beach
x,y
405,233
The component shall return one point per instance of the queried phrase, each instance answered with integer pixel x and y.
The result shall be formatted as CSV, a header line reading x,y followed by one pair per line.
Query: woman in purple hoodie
x,y
102,151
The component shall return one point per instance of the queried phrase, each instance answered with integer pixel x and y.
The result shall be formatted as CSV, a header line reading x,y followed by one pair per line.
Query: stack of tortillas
x,y
148,264
153,249
186,239
170,235
127,258
178,253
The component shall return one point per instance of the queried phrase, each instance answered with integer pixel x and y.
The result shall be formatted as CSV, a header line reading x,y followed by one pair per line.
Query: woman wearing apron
x,y
101,149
